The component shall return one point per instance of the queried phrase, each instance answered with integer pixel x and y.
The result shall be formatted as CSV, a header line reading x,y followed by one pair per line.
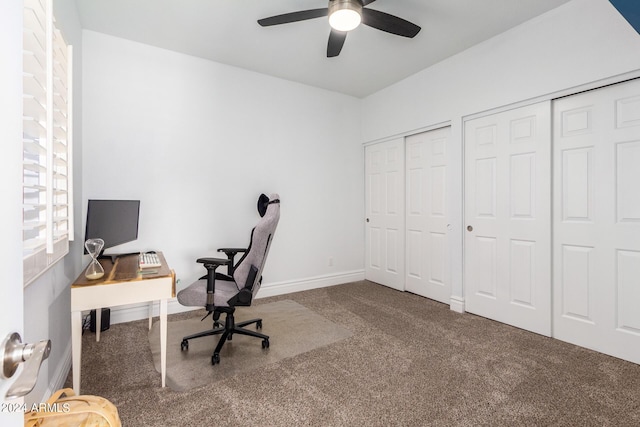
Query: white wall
x,y
580,42
198,141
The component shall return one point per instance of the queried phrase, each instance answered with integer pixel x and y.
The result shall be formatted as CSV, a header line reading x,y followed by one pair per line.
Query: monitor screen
x,y
114,221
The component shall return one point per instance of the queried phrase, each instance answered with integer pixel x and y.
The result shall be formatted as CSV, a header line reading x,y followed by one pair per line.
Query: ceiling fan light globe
x,y
345,19
345,15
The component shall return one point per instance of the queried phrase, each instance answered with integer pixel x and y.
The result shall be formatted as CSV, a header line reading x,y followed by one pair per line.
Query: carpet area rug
x,y
292,329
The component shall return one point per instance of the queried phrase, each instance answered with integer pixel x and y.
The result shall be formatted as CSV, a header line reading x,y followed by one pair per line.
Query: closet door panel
x,y
384,229
597,220
507,261
427,246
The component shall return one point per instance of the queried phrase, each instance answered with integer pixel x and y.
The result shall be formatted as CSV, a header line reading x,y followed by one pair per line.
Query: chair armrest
x,y
217,262
211,264
231,254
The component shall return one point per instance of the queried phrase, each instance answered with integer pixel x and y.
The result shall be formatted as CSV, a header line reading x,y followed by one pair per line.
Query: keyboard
x,y
149,260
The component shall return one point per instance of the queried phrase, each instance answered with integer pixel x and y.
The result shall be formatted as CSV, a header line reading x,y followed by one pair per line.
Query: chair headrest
x,y
264,202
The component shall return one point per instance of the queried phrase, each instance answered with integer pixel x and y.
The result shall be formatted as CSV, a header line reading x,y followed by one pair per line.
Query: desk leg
x,y
163,340
98,323
76,348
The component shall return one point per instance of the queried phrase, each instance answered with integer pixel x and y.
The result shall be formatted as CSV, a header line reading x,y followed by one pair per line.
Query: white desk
x,y
121,284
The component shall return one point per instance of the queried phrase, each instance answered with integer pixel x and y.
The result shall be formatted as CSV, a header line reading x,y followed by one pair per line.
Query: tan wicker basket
x,y
74,411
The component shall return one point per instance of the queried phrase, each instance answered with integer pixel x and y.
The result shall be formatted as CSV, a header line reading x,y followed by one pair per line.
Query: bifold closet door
x,y
384,209
597,220
427,249
507,244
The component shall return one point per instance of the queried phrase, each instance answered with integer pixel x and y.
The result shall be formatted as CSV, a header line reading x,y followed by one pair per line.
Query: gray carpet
x,y
410,362
292,329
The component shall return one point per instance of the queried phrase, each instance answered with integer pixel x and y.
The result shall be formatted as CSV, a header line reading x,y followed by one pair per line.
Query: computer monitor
x,y
114,221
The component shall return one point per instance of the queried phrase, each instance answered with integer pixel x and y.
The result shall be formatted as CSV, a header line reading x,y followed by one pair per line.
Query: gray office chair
x,y
222,293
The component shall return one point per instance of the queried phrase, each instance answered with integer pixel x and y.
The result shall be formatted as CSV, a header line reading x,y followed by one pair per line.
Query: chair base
x,y
230,327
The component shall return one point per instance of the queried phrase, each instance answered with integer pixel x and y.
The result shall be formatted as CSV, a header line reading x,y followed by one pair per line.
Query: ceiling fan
x,y
344,16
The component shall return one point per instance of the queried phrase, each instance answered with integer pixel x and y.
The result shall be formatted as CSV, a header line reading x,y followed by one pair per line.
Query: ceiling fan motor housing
x,y
335,5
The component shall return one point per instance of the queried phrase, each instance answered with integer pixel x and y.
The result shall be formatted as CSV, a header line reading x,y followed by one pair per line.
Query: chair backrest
x,y
248,271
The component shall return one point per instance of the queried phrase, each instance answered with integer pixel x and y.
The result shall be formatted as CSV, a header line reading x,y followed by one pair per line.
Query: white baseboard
x,y
457,304
133,312
130,313
282,288
60,376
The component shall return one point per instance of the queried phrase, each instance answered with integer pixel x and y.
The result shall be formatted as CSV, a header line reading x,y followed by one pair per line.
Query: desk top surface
x,y
124,269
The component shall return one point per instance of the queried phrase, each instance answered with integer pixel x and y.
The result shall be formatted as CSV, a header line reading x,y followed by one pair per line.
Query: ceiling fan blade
x,y
336,41
389,23
366,2
286,18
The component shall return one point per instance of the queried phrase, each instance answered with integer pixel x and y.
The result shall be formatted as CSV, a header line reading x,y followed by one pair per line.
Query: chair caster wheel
x,y
184,345
265,343
259,324
229,337
215,359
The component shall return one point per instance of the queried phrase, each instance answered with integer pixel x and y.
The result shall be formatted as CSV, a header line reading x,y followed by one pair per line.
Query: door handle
x,y
469,228
12,353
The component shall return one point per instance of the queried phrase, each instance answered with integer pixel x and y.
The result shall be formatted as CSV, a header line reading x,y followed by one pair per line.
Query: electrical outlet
x,y
330,261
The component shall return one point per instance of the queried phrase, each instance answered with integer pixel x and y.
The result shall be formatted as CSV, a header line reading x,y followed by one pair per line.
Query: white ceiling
x,y
226,31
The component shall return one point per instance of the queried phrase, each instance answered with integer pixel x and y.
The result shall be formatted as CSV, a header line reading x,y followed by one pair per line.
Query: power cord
x,y
86,323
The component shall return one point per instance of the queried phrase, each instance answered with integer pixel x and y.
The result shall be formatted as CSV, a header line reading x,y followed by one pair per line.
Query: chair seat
x,y
195,295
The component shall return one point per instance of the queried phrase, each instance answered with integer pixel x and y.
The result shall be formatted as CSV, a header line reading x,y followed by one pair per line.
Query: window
x,y
47,141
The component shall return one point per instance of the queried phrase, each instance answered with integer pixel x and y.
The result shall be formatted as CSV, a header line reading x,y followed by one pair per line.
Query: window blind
x,y
47,141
